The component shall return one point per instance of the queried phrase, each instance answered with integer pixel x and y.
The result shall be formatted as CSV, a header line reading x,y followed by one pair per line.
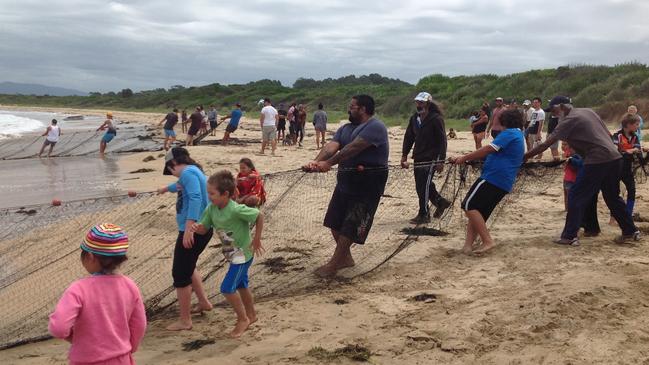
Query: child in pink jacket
x,y
102,315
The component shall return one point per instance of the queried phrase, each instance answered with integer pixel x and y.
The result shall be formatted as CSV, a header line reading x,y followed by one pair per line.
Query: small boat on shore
x,y
74,117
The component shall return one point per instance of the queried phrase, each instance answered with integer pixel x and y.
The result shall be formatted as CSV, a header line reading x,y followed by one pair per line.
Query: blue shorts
x,y
108,137
170,133
236,278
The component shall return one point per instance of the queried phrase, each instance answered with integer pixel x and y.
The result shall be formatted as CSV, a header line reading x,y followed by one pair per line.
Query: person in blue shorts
x,y
504,157
170,120
235,117
111,132
232,221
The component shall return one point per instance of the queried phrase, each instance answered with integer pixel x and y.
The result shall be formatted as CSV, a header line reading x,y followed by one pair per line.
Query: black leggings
x,y
185,259
628,179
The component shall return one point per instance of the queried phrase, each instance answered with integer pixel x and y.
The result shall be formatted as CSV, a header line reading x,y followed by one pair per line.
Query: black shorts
x,y
230,128
193,130
351,215
213,124
483,197
185,260
281,125
479,128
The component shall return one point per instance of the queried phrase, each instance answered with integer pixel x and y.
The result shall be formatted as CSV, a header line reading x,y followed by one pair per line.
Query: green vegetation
x,y
607,88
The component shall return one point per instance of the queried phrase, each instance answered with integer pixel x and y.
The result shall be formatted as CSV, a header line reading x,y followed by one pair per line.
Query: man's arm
x,y
328,151
541,147
261,119
350,150
475,155
46,131
540,134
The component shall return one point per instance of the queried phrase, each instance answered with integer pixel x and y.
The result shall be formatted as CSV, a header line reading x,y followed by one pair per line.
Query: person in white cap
x,y
427,133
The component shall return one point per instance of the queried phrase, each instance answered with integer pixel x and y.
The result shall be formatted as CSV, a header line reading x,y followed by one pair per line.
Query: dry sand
x,y
527,302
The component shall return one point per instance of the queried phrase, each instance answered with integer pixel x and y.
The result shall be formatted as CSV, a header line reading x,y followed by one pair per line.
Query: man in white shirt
x,y
268,121
534,131
53,133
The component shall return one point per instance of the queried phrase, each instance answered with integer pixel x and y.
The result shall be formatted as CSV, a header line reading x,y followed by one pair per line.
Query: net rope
x,y
39,245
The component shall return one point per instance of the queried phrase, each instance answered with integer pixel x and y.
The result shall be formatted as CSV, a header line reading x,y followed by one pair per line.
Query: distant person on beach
x,y
232,221
633,110
535,130
503,158
170,120
211,118
300,123
235,117
361,150
495,127
203,129
587,135
250,186
281,123
292,128
196,120
101,315
426,131
184,120
111,132
192,200
268,122
320,124
527,117
451,134
52,135
630,148
478,127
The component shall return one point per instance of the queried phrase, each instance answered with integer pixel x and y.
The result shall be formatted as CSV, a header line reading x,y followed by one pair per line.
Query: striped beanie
x,y
106,239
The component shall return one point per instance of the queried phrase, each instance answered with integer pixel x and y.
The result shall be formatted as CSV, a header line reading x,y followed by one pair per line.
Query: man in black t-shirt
x,y
196,120
281,124
170,121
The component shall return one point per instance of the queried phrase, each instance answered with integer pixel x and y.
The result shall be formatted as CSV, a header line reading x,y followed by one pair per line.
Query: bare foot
x,y
252,318
179,326
240,328
347,262
326,271
484,248
201,307
467,249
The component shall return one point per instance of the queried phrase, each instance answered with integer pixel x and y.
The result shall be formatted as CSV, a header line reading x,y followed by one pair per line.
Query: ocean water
x,y
15,123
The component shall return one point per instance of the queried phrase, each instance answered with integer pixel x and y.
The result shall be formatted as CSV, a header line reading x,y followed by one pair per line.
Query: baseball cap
x,y
109,114
499,99
559,99
423,96
527,102
173,154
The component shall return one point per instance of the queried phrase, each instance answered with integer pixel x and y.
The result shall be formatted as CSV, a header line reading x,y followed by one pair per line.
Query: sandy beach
x,y
527,302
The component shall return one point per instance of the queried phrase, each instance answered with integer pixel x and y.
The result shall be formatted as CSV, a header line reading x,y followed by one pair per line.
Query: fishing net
x,y
39,245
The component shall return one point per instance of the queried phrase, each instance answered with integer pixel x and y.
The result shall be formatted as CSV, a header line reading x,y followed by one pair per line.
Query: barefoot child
x,y
232,222
503,159
102,315
627,142
250,185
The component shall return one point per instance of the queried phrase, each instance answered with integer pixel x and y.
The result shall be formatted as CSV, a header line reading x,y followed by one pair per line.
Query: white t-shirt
x,y
528,114
537,117
53,134
269,115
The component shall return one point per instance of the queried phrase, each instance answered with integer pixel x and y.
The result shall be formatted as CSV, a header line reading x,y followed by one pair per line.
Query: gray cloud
x,y
101,45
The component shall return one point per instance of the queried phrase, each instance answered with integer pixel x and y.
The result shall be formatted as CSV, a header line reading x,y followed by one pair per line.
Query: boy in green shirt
x,y
232,223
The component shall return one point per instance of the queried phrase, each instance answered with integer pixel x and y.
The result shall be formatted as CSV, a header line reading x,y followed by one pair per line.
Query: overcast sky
x,y
95,45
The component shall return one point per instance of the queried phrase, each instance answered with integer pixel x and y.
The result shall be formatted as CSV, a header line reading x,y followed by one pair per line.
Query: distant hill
x,y
609,89
14,88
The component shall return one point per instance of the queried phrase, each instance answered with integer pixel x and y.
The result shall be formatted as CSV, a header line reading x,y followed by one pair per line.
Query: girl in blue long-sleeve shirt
x,y
192,200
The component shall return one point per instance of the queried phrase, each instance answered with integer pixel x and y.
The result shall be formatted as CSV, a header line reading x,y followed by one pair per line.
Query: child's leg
x,y
248,304
480,227
242,318
184,306
197,285
470,237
